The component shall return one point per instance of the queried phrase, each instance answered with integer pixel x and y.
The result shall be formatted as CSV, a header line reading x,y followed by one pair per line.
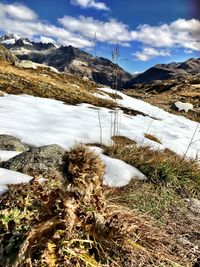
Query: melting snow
x,y
10,177
117,172
6,155
40,121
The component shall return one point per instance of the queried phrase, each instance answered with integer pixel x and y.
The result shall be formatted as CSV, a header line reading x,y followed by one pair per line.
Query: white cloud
x,y
45,39
158,36
79,31
149,53
111,31
32,27
90,4
17,11
182,33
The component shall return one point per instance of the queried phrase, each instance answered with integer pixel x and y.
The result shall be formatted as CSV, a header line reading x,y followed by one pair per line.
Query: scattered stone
x,y
11,143
194,205
45,161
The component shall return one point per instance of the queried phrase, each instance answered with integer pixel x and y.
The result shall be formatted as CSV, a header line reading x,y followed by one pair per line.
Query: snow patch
x,y
183,106
8,177
117,172
39,121
6,155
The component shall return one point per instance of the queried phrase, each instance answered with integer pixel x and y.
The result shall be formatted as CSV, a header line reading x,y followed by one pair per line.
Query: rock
x,y
194,205
11,143
1,93
45,161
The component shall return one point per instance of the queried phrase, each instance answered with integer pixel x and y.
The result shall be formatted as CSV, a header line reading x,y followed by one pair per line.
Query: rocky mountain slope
x,y
66,58
166,71
6,55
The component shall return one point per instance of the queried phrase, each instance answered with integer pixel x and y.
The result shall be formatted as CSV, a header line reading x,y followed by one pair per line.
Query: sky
x,y
148,32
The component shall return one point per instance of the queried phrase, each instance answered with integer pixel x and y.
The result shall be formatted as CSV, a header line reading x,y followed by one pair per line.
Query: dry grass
x,y
122,140
152,138
54,224
45,83
60,86
171,181
161,167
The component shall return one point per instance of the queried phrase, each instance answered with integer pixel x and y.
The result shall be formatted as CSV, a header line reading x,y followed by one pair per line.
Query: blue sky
x,y
148,31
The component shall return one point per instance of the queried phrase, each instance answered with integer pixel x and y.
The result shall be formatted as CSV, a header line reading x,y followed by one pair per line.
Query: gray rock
x,y
45,161
8,142
194,205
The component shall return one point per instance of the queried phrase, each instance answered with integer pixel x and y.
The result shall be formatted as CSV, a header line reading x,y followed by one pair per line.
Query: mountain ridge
x,y
166,71
67,59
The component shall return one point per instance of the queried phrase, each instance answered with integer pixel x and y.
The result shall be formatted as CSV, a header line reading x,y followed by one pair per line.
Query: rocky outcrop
x,y
6,55
45,161
11,143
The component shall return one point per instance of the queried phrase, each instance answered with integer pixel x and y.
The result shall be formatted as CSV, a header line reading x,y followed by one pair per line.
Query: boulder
x,y
11,143
45,161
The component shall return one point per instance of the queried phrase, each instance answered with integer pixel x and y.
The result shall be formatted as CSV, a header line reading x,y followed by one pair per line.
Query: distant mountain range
x,y
166,71
101,70
67,59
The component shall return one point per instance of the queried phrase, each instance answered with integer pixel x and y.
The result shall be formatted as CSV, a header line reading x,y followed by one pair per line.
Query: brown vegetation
x,y
152,138
69,223
45,83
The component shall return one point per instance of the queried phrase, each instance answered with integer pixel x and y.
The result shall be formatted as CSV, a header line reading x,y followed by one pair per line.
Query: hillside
x,y
165,93
7,56
66,59
166,71
93,177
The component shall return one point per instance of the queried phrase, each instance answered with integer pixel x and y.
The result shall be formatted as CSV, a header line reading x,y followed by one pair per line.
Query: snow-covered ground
x,y
117,172
39,121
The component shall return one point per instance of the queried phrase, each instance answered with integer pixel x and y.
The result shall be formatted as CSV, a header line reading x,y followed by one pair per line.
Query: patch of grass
x,y
152,137
122,140
161,167
148,198
172,180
